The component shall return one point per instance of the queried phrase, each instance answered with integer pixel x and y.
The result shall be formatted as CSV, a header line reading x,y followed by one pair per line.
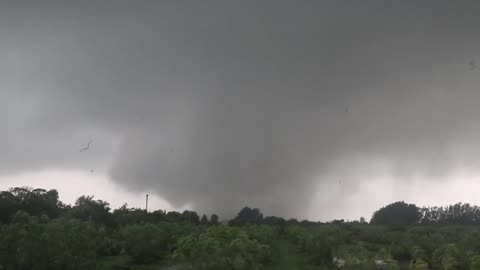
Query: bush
x,y
148,243
419,264
41,244
222,248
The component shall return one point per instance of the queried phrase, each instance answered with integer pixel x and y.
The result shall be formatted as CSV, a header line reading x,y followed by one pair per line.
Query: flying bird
x,y
91,171
86,147
473,65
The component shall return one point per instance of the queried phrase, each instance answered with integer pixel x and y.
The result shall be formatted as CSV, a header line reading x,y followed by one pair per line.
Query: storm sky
x,y
307,109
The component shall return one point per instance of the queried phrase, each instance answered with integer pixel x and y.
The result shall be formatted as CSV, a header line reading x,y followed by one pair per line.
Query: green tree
x,y
146,243
8,206
447,257
222,247
276,221
474,261
214,219
355,257
88,209
173,216
398,213
419,264
43,244
39,202
35,202
204,220
248,216
191,217
126,216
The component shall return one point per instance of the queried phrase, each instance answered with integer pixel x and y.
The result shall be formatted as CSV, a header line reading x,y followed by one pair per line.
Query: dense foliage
x,y
39,232
398,213
223,247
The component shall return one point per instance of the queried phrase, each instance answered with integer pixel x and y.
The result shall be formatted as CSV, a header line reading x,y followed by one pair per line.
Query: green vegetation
x,y
285,256
39,232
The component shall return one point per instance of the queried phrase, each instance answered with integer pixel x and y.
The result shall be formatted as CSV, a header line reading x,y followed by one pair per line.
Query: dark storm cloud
x,y
241,103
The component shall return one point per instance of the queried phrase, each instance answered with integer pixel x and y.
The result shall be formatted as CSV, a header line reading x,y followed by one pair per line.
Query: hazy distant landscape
x,y
38,231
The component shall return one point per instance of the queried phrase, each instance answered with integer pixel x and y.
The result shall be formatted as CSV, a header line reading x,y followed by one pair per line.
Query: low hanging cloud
x,y
236,104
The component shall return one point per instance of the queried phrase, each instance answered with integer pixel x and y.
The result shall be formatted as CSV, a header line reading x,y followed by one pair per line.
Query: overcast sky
x,y
307,109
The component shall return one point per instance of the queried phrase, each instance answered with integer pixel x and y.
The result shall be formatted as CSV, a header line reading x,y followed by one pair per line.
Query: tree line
x,y
401,213
40,202
38,231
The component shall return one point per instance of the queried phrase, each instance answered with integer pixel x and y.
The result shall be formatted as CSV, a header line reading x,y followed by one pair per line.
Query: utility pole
x,y
146,203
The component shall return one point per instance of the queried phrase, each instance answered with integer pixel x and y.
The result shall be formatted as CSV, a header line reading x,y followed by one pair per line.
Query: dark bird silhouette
x,y
473,65
86,147
91,171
